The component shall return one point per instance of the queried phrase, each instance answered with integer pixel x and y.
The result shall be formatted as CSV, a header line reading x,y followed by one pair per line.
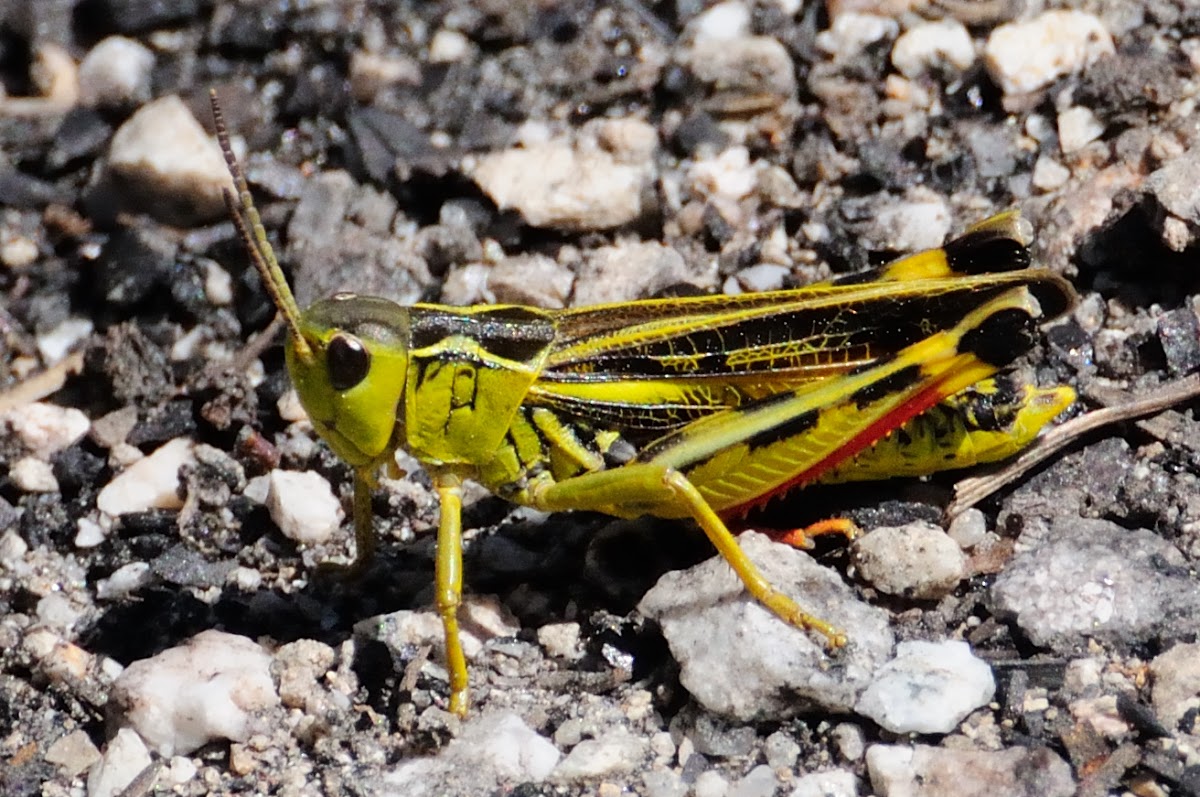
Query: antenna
x,y
250,229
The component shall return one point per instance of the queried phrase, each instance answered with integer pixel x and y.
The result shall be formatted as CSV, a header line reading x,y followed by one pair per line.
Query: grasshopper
x,y
698,408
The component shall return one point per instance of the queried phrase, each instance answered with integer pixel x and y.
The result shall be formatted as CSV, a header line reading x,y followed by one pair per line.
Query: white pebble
x,y
567,183
968,529
931,45
303,505
125,757
833,783
729,175
721,22
613,753
88,533
917,560
448,46
1049,174
123,581
211,687
45,429
929,687
115,73
561,640
852,33
150,483
163,157
1077,127
1026,56
58,342
55,611
218,285
33,475
18,251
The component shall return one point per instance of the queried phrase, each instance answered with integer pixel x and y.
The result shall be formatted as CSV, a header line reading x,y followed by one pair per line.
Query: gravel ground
x,y
164,505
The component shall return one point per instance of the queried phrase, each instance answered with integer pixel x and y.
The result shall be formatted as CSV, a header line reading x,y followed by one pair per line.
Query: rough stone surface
x,y
740,660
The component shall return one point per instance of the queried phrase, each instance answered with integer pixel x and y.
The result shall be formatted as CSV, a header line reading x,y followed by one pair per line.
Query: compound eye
x,y
348,361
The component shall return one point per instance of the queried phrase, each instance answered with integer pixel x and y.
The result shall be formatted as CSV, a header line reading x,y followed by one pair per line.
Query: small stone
x,y
781,751
448,46
852,33
73,753
664,783
740,660
125,756
44,429
758,782
743,73
944,772
720,22
917,560
1049,174
481,618
1026,56
561,640
710,784
968,529
33,475
932,46
1175,186
116,73
301,667
214,686
531,279
18,252
929,687
494,749
150,483
1093,579
303,506
614,753
123,581
850,740
833,783
628,270
163,157
1176,692
1179,335
55,611
569,184
729,175
56,344
1077,127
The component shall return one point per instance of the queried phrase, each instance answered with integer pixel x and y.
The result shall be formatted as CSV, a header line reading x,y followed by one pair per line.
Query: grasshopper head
x,y
348,362
347,355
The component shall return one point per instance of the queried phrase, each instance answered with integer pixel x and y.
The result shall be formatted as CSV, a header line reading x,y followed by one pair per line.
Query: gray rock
x,y
615,753
740,660
936,772
1092,579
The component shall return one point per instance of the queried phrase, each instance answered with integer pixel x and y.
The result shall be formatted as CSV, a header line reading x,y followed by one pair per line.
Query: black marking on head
x,y
982,252
894,383
519,334
1001,338
348,361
